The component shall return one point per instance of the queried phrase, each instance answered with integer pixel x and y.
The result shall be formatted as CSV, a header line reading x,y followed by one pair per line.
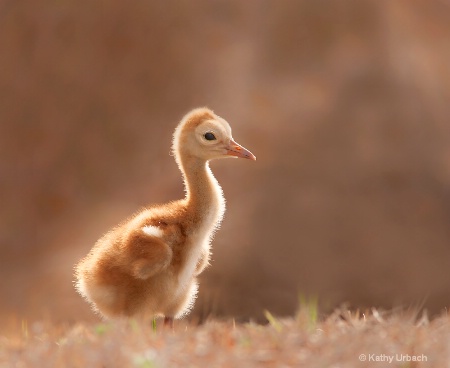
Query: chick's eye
x,y
209,136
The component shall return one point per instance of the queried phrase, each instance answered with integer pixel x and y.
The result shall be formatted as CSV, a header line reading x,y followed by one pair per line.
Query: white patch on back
x,y
152,230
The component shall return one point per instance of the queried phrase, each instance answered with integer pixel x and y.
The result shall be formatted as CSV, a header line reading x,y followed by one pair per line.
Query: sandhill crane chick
x,y
148,265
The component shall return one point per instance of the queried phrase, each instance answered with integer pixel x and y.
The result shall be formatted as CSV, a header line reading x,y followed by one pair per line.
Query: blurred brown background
x,y
345,104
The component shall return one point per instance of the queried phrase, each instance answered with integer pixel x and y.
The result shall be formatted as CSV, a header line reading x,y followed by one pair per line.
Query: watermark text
x,y
390,358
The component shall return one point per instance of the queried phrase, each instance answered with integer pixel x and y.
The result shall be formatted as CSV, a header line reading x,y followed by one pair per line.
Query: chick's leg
x,y
168,322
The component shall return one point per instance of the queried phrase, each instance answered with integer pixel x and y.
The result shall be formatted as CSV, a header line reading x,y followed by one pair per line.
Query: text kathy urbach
x,y
397,358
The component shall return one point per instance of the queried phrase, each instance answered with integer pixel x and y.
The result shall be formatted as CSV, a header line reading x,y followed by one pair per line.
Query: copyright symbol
x,y
362,357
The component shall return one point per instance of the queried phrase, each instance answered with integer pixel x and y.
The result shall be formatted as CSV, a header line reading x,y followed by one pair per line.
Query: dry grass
x,y
304,341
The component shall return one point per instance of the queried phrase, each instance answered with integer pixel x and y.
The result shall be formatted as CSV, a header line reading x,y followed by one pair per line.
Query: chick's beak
x,y
236,150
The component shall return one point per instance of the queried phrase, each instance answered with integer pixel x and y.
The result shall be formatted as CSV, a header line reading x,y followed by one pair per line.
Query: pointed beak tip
x,y
236,150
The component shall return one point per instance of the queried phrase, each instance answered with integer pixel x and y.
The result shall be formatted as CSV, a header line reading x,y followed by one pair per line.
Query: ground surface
x,y
343,339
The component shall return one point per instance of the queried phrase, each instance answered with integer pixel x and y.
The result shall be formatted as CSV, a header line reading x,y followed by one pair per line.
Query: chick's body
x,y
116,285
147,266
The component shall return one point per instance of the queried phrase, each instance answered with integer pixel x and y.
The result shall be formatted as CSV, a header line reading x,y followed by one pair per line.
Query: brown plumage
x,y
147,265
